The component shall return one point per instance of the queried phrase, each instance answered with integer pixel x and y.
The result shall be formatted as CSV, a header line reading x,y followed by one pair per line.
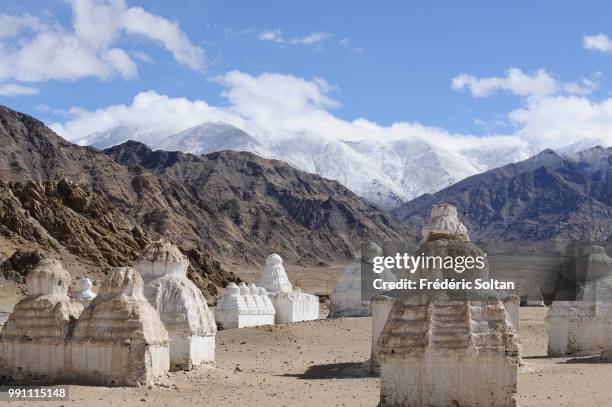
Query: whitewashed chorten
x,y
181,305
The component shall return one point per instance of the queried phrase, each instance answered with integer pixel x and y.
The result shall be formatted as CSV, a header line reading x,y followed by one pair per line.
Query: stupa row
x,y
144,321
244,305
439,348
272,301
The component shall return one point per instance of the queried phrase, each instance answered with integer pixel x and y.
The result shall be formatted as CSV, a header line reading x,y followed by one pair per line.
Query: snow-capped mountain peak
x,y
386,172
210,137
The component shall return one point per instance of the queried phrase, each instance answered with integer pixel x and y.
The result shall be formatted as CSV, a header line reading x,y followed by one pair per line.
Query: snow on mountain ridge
x,y
211,137
385,172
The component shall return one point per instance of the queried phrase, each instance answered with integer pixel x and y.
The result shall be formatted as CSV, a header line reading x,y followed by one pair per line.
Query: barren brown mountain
x,y
231,206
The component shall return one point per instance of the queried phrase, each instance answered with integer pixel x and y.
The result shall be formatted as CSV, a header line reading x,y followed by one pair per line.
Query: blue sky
x,y
385,62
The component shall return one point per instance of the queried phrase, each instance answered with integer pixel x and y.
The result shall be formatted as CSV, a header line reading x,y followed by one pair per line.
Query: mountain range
x,y
552,195
385,172
99,209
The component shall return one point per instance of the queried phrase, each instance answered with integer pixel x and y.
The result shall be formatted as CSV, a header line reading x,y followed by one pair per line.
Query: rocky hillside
x,y
549,196
64,220
64,199
63,214
245,206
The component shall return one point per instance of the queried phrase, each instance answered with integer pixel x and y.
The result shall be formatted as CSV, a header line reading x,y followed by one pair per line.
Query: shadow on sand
x,y
540,357
350,370
574,360
588,360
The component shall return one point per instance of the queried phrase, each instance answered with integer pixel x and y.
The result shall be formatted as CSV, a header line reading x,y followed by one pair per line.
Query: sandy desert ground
x,y
323,363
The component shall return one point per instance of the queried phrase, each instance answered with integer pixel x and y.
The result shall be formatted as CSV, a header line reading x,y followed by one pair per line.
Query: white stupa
x,y
243,306
181,305
583,326
447,348
274,278
444,223
119,339
85,295
291,306
267,302
250,301
346,298
34,340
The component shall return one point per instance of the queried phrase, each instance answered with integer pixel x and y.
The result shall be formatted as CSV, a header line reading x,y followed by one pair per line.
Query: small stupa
x,y
346,298
267,303
120,339
34,340
243,306
290,305
231,308
190,324
582,326
448,348
444,223
274,278
85,295
250,300
381,305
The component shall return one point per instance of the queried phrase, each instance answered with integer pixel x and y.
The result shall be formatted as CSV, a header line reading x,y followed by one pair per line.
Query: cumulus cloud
x,y
136,20
514,81
275,106
39,48
13,89
278,37
599,43
148,109
562,120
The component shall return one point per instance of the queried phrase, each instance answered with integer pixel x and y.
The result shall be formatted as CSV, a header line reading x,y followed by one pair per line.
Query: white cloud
x,y
583,87
268,106
37,49
11,25
346,43
142,56
277,36
148,109
541,83
12,89
599,42
136,20
274,106
251,95
515,81
563,120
